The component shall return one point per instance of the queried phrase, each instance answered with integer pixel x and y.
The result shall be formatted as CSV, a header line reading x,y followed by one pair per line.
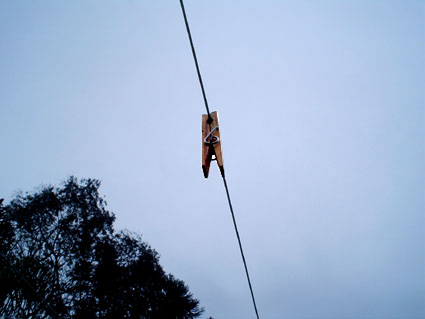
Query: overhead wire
x,y
224,178
201,83
240,246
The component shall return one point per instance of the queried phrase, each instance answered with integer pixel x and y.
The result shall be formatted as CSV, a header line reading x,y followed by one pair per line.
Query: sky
x,y
322,122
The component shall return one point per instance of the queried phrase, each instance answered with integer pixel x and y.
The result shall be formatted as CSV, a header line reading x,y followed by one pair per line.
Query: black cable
x,y
224,179
240,246
196,60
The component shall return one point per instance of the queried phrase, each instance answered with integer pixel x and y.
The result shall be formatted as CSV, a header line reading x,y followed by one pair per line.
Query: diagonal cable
x,y
224,179
195,58
240,247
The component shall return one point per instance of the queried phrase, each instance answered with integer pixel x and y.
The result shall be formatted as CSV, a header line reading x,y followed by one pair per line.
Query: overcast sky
x,y
321,108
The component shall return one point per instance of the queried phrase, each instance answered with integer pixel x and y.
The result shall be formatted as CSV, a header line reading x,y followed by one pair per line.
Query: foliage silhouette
x,y
60,258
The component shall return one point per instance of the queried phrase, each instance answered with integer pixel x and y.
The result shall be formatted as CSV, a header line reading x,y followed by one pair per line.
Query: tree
x,y
61,258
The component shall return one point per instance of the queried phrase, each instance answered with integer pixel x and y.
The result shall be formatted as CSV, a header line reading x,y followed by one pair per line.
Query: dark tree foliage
x,y
60,258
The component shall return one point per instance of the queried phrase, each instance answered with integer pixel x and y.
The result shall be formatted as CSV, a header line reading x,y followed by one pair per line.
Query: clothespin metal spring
x,y
211,139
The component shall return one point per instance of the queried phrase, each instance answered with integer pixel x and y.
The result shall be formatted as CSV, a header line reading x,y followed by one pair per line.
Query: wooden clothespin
x,y
211,143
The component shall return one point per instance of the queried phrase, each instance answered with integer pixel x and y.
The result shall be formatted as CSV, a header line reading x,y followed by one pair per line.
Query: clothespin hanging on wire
x,y
211,143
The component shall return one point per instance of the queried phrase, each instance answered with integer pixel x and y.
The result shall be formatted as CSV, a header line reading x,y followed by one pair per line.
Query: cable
x,y
195,59
240,247
224,179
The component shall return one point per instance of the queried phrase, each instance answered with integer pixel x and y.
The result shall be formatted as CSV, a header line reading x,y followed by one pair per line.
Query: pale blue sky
x,y
321,107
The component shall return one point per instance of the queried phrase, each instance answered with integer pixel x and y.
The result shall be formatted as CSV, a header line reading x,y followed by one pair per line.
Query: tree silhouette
x,y
60,258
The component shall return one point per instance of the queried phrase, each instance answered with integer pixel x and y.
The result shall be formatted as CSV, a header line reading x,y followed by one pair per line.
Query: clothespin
x,y
211,143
